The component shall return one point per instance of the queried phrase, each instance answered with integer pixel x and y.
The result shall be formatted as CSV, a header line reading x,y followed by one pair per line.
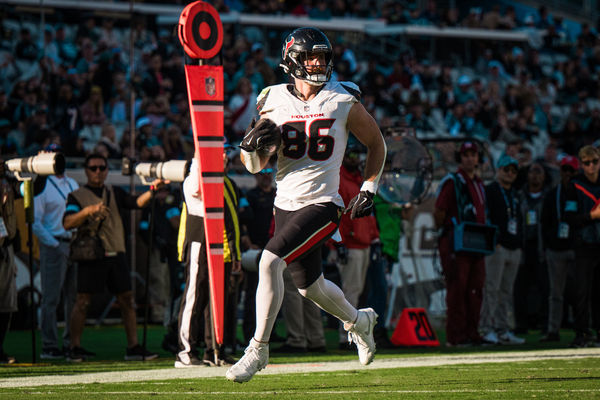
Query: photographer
x,y
58,274
461,198
8,269
98,207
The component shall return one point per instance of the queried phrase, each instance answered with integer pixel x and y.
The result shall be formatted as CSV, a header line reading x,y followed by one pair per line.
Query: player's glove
x,y
361,205
261,135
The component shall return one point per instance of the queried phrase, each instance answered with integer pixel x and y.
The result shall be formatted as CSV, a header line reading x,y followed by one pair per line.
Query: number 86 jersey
x,y
314,137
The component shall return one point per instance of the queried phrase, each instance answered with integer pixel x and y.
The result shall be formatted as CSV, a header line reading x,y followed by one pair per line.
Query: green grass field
x,y
577,378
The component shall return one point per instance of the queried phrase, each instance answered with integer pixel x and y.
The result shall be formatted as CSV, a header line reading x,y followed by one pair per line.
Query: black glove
x,y
261,135
361,205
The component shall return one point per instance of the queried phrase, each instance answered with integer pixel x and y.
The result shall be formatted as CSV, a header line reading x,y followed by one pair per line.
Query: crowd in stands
x,y
70,83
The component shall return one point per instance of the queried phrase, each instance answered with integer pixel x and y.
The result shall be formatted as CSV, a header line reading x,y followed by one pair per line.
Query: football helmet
x,y
302,45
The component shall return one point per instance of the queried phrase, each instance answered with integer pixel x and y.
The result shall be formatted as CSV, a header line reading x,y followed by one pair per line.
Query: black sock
x,y
4,324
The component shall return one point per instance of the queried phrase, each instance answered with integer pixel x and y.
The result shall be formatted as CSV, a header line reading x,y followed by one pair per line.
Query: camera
x,y
42,164
174,170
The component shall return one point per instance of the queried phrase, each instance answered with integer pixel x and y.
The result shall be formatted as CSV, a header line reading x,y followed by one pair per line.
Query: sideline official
x,y
462,198
583,213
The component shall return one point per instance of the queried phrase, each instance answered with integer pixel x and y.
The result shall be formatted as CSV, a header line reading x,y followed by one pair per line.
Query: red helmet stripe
x,y
288,44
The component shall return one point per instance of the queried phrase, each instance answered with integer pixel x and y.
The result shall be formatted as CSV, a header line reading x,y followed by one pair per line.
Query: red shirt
x,y
360,232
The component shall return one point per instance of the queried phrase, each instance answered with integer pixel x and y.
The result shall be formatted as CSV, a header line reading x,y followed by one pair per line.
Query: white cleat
x,y
510,338
361,333
255,358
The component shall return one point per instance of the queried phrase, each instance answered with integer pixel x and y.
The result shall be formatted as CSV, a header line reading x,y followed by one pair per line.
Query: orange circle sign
x,y
200,30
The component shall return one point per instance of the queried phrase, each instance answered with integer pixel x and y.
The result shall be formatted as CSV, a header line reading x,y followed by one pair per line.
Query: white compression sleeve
x,y
330,298
269,294
251,161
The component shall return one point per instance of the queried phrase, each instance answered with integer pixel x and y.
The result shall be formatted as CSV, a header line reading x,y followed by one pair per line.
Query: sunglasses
x,y
590,162
95,168
510,169
266,171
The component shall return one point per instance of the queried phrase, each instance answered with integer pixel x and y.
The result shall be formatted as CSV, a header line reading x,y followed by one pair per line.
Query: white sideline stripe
x,y
283,392
274,369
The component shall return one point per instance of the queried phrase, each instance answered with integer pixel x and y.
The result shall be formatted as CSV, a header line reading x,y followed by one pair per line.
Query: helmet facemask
x,y
314,72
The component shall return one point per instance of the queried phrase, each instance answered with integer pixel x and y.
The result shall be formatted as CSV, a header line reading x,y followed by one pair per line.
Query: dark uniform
x,y
464,272
582,196
8,269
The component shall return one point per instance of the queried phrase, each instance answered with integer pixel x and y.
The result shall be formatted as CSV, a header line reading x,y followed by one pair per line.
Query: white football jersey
x,y
314,137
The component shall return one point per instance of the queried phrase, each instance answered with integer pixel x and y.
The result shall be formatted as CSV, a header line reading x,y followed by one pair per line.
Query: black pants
x,y
587,290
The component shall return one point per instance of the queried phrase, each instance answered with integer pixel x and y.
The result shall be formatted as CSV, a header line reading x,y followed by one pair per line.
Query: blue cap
x,y
494,64
506,160
516,51
464,80
54,147
141,122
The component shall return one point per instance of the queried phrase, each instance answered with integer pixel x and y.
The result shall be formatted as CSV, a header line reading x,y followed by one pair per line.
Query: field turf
x,y
577,378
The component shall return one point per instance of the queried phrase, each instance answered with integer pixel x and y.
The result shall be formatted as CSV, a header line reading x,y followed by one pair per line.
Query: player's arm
x,y
364,127
260,136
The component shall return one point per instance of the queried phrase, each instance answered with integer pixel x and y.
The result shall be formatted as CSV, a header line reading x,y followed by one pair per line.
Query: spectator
x,y
242,107
26,49
501,267
463,92
531,283
492,18
98,207
67,51
263,66
64,116
461,198
86,64
583,215
109,139
49,47
92,110
58,273
558,240
155,81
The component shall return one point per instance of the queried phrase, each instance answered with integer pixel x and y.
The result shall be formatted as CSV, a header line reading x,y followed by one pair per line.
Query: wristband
x,y
369,186
251,161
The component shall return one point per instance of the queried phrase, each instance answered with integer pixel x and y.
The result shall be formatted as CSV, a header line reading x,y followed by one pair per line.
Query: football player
x,y
307,124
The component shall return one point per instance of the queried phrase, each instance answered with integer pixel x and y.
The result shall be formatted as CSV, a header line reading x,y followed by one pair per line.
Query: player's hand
x,y
236,267
595,213
260,135
158,184
361,205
